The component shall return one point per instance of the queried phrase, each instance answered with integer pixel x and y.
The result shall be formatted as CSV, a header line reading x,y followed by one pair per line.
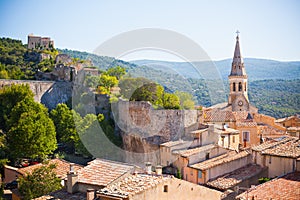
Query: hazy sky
x,y
268,28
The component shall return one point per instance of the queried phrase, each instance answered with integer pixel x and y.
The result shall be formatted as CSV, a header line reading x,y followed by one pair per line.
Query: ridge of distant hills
x,y
257,69
274,86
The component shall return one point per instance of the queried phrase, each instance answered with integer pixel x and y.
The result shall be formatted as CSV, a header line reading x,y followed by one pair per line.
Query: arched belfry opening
x,y
240,86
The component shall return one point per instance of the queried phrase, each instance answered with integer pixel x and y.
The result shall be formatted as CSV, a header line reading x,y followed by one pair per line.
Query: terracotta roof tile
x,y
190,152
133,184
231,179
61,170
216,115
231,156
286,187
101,172
174,143
288,149
272,143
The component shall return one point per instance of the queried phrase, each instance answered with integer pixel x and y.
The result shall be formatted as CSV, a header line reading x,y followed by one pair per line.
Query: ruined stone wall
x,y
49,93
139,118
144,128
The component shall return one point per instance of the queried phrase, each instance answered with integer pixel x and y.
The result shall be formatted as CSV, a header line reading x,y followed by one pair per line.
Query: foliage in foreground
x,y
41,181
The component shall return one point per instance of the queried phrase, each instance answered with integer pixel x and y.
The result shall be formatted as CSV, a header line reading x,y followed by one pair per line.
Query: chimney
x,y
158,170
211,128
71,180
148,168
90,194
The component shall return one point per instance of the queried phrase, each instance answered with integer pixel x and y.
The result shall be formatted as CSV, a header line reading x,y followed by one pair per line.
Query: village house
x,y
61,170
279,155
83,183
202,172
285,187
242,177
156,186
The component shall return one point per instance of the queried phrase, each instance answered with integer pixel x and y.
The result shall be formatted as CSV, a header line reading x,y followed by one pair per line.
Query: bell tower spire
x,y
238,96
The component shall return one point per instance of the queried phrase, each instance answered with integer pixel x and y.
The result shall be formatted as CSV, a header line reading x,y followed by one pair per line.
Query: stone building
x,y
38,42
279,155
202,172
156,186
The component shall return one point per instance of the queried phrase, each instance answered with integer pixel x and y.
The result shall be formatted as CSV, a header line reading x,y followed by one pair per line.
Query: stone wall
x,y
143,128
49,93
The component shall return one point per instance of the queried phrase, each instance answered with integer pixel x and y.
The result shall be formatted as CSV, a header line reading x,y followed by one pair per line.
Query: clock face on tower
x,y
240,103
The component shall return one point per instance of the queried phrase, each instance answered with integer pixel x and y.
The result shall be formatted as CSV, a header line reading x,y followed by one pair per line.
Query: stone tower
x,y
238,96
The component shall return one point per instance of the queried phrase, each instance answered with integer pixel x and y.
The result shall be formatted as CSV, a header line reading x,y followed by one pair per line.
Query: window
x,y
199,174
246,135
207,156
240,86
165,188
233,87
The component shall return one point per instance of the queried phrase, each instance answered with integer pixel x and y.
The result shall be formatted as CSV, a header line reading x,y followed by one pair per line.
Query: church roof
x,y
237,68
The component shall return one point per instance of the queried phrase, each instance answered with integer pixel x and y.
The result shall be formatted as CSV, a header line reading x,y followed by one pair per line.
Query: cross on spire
x,y
237,33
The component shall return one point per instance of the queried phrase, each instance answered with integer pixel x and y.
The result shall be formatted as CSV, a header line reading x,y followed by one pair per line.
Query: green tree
x,y
117,71
41,181
4,74
63,119
129,85
107,81
32,132
10,96
171,101
186,100
151,92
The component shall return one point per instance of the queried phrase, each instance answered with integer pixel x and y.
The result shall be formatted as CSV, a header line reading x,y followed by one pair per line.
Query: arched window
x,y
245,87
233,87
240,86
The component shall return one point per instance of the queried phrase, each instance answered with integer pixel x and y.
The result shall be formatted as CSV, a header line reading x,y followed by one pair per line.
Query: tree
x,y
32,132
171,101
41,181
63,119
107,81
151,92
129,85
186,100
117,72
10,96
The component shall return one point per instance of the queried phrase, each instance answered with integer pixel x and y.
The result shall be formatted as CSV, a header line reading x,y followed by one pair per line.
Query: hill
x,y
257,69
274,86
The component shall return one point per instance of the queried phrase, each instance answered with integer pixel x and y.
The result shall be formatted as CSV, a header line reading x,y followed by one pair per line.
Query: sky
x,y
269,29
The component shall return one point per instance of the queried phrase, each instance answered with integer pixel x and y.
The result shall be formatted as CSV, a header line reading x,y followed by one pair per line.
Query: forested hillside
x,y
274,87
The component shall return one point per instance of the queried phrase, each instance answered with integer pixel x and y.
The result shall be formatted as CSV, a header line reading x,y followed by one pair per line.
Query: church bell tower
x,y
238,81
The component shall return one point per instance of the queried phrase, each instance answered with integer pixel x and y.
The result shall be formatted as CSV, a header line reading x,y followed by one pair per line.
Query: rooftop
x,y
231,179
62,195
272,143
133,184
288,149
101,172
61,170
246,124
216,115
173,143
190,152
226,131
213,162
286,187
